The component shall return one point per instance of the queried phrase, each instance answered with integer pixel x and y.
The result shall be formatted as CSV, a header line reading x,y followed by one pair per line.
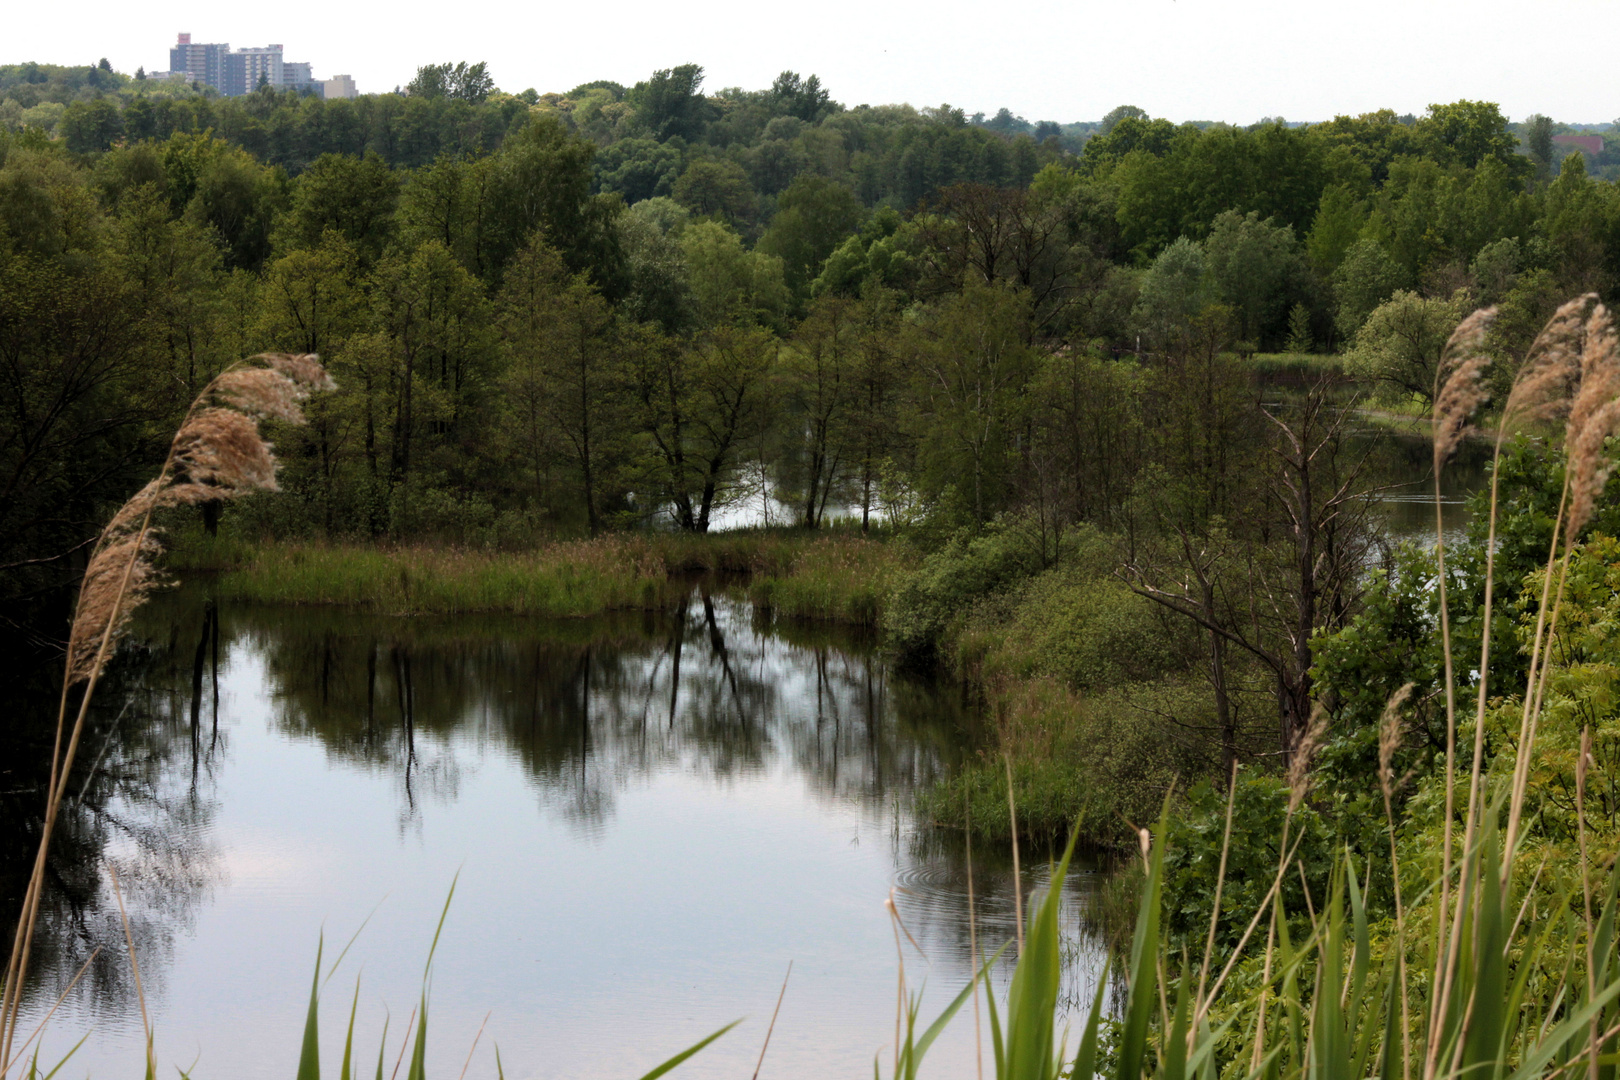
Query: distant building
x,y
340,86
1591,145
296,75
201,63
242,71
245,69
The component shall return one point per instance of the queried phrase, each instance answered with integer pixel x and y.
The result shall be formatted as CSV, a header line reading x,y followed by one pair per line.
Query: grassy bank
x,y
835,578
839,577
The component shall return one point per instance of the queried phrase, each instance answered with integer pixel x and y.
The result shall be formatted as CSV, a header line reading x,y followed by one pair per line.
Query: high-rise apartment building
x,y
245,69
204,63
238,72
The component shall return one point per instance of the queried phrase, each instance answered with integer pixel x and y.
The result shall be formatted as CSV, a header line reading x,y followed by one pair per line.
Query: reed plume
x,y
218,453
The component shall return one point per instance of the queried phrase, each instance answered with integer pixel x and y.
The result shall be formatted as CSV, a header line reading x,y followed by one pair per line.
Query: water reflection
x,y
257,772
139,802
589,708
1401,466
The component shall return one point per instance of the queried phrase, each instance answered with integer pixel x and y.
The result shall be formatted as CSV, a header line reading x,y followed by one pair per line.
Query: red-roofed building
x,y
1591,145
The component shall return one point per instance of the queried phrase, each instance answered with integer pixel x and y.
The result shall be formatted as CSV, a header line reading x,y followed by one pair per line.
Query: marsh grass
x,y
562,580
836,577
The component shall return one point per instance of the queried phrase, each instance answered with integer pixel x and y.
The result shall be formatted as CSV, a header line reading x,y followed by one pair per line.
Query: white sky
x,y
1066,60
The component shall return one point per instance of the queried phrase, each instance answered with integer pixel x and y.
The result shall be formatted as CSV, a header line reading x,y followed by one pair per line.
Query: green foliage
x,y
1366,277
947,582
813,216
458,82
1400,343
1194,843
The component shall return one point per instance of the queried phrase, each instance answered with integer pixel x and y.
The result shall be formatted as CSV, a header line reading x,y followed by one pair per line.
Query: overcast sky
x,y
1233,60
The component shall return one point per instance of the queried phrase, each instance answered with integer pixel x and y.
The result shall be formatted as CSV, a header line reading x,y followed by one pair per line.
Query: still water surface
x,y
649,816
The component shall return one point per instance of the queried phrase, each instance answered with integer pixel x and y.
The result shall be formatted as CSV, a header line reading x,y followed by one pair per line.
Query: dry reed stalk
x,y
774,1012
135,967
1018,879
1459,393
1541,390
1202,1003
1389,740
1594,417
973,936
1298,780
1553,378
217,453
465,1065
1586,892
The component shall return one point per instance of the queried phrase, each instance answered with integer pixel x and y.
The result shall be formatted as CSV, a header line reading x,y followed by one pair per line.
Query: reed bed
x,y
836,578
564,580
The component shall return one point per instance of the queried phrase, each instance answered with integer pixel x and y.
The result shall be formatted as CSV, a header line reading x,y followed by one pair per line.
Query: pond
x,y
646,818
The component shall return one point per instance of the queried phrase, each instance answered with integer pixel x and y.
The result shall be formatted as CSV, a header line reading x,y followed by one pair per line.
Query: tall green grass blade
x,y
1486,1022
1329,1056
688,1052
1131,1050
998,1049
58,1066
1173,1054
1085,1061
309,1058
382,1048
346,1073
945,1017
1032,997
417,1070
1361,939
440,928
1559,1039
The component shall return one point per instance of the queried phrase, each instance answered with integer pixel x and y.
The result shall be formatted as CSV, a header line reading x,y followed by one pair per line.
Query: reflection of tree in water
x,y
140,799
590,707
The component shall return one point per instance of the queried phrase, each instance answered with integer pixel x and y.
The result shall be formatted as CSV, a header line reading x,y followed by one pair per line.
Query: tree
x,y
459,82
820,371
697,407
728,284
354,197
805,99
438,327
1337,225
1468,132
1255,267
671,103
1401,342
973,366
813,216
1118,113
717,189
1048,240
1174,290
1272,600
557,332
637,169
1366,277
91,126
1538,135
